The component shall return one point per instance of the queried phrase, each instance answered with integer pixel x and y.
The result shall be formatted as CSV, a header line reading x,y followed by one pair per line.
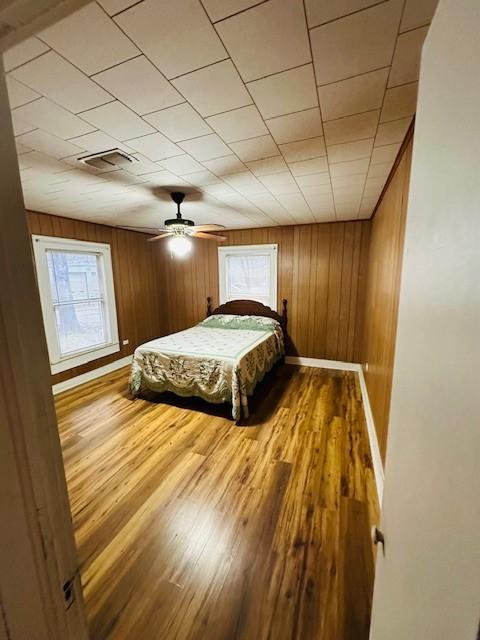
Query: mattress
x,y
220,360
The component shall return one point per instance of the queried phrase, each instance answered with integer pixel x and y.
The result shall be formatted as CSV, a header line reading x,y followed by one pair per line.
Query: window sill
x,y
84,357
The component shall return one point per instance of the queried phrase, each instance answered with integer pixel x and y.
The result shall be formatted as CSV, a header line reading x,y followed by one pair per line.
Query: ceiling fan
x,y
180,230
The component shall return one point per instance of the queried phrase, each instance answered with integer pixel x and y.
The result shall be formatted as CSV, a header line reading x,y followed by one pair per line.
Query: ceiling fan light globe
x,y
180,246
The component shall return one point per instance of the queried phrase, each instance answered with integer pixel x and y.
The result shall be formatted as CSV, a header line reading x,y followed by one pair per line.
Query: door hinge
x,y
69,592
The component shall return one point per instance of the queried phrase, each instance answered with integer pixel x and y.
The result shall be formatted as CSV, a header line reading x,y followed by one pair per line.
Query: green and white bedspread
x,y
220,360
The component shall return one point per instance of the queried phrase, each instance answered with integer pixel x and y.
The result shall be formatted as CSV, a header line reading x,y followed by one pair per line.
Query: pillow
x,y
227,321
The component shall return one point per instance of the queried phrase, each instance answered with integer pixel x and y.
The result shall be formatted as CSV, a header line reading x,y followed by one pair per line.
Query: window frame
x,y
270,250
41,246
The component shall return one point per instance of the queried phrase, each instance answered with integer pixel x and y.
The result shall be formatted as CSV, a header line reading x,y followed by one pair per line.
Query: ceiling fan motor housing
x,y
178,224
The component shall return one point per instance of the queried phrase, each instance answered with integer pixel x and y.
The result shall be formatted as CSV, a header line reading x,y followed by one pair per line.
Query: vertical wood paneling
x,y
382,293
139,291
320,273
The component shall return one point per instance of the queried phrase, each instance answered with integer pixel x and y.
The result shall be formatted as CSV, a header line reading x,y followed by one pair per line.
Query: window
x,y
248,272
75,281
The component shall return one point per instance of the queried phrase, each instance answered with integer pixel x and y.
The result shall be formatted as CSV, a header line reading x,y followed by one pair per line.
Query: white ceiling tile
x,y
318,191
268,38
155,146
18,93
255,148
374,185
285,92
372,193
164,179
96,142
297,206
352,167
23,52
220,9
215,89
406,60
48,144
296,126
380,170
245,178
21,148
238,124
387,153
206,147
320,11
202,178
115,6
417,13
303,149
182,165
400,102
351,128
268,166
139,85
176,36
219,190
179,123
306,167
20,126
142,166
90,40
391,132
280,183
320,203
49,116
63,83
118,121
313,180
356,44
350,151
346,213
224,166
41,163
355,95
356,180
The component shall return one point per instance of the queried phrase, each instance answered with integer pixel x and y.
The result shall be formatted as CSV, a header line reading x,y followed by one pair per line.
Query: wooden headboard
x,y
249,308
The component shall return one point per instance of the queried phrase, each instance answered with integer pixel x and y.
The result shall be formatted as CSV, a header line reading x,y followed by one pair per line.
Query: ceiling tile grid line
x,y
247,87
179,90
320,110
404,3
290,143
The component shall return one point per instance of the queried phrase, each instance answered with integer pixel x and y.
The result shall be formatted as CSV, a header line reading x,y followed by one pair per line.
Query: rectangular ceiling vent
x,y
113,158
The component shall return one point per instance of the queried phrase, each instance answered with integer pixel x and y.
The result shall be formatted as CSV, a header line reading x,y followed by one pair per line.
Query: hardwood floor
x,y
189,527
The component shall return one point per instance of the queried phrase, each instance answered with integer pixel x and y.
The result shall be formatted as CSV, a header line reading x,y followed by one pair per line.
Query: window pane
x,y
248,277
73,276
80,325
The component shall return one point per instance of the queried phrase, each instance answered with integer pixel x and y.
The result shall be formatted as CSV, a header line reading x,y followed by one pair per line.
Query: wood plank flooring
x,y
191,528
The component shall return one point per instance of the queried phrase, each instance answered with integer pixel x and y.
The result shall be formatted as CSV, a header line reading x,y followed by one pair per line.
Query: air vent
x,y
108,159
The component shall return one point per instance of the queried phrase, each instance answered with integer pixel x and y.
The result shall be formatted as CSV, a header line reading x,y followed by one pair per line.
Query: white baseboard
x,y
372,434
91,375
322,364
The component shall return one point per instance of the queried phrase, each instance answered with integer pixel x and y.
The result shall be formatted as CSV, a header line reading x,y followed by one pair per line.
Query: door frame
x,y
40,589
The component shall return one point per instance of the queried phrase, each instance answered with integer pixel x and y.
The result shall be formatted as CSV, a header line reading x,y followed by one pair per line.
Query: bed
x,y
221,359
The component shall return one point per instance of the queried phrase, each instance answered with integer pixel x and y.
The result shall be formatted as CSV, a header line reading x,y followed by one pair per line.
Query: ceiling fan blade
x,y
208,227
126,226
162,235
207,236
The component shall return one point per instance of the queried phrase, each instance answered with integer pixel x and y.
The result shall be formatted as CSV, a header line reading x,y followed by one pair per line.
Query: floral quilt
x,y
220,360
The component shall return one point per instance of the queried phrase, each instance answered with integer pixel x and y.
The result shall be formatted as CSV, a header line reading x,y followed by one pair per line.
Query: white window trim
x,y
248,250
60,363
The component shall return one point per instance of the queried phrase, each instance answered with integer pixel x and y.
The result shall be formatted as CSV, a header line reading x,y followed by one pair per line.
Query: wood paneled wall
x,y
321,272
383,290
138,283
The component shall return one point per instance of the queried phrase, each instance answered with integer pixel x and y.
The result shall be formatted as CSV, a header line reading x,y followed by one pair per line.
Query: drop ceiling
x,y
265,113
